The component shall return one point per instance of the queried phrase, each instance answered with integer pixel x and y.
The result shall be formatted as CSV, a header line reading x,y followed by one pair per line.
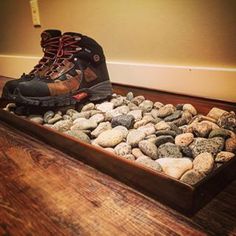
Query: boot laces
x,y
67,47
50,48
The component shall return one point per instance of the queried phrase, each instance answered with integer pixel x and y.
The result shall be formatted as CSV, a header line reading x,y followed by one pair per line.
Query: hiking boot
x,y
50,44
79,71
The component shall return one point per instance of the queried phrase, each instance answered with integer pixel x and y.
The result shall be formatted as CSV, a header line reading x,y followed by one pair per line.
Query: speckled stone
x,y
175,167
224,156
162,125
166,132
163,139
227,121
148,129
110,138
129,96
187,151
148,149
134,137
132,106
192,177
71,112
129,157
213,145
118,101
123,120
79,135
98,118
184,139
123,129
122,149
169,150
148,162
203,163
137,152
158,105
54,119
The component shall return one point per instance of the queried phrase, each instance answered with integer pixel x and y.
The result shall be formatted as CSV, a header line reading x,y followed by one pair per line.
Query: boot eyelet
x,y
77,38
96,58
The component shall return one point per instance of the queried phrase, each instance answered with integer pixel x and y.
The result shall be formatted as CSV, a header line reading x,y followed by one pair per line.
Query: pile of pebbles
x,y
175,140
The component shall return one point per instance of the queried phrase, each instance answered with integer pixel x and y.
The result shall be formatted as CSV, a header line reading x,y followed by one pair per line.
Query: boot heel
x,y
100,91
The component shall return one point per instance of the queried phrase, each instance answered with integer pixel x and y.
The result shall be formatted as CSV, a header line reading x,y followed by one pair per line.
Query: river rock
x,y
137,152
184,139
158,105
213,146
123,149
138,100
123,120
190,108
101,128
175,128
146,106
148,149
230,145
148,129
122,110
137,114
82,124
148,162
129,157
36,119
117,101
123,129
187,151
227,121
166,132
98,118
201,129
162,125
163,139
134,137
105,106
211,124
88,107
177,114
166,110
203,163
216,113
79,135
169,150
175,167
224,156
62,125
71,112
47,116
192,177
224,133
110,138
54,119
133,107
129,96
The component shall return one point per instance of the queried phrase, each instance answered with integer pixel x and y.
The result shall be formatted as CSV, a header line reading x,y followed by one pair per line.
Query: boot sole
x,y
95,93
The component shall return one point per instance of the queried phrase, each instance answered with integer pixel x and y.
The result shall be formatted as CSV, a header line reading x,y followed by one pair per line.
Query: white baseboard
x,y
218,83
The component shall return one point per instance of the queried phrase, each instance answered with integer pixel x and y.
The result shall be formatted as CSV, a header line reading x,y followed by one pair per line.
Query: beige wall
x,y
175,32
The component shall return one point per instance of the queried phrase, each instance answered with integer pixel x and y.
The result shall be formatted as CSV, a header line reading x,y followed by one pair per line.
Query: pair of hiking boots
x,y
73,67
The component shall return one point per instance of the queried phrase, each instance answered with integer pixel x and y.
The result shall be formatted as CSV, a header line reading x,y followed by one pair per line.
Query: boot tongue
x,y
47,34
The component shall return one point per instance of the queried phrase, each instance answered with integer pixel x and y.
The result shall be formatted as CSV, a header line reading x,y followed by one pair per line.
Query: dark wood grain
x,y
45,192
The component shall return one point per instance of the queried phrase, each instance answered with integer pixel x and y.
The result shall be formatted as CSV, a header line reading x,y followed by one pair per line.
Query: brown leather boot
x,y
79,71
50,45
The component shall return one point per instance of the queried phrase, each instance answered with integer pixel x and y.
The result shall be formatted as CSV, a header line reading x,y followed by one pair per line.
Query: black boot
x,y
50,44
79,71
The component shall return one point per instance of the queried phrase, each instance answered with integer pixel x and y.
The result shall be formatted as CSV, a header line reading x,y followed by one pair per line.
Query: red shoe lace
x,y
50,48
67,47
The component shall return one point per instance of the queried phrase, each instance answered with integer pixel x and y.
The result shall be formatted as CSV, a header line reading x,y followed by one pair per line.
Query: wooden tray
x,y
182,197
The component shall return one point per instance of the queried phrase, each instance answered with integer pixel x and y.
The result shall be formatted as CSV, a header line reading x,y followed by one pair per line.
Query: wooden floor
x,y
45,192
